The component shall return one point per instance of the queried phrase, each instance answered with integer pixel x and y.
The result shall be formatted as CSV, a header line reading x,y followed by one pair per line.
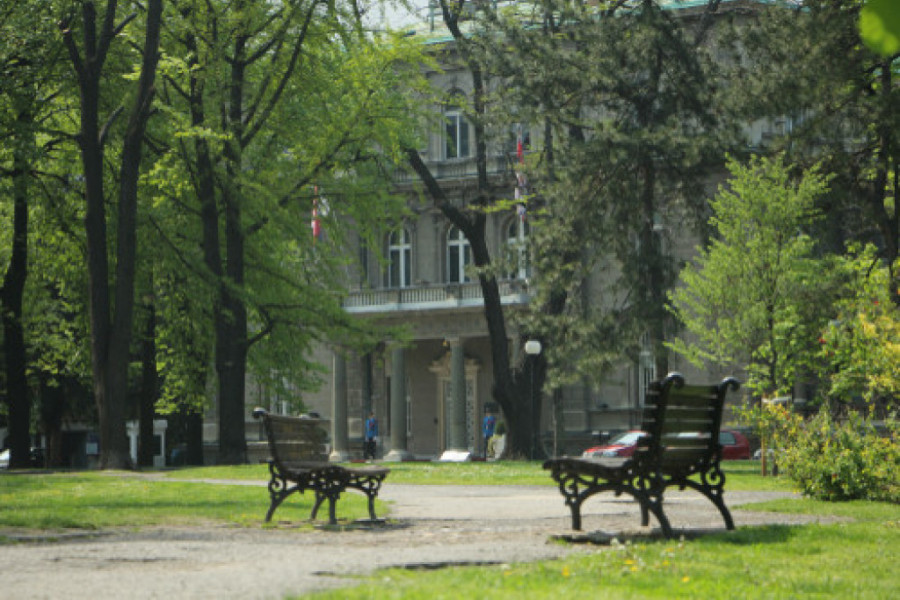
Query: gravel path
x,y
429,526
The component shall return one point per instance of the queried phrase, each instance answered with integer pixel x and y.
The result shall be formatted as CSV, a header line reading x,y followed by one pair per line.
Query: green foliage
x,y
879,26
622,130
755,294
831,101
835,460
844,461
860,348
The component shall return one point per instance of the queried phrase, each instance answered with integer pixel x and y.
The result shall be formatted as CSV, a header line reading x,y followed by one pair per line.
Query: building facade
x,y
431,392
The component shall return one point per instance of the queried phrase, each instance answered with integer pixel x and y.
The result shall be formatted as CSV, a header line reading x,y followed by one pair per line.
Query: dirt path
x,y
428,526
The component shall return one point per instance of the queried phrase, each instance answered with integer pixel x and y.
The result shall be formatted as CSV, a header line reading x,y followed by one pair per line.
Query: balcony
x,y
444,296
459,169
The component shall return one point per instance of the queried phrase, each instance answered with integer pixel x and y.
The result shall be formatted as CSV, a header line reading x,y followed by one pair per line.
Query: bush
x,y
846,460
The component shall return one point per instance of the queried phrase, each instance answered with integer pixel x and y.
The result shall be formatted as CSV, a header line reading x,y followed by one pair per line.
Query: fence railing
x,y
432,297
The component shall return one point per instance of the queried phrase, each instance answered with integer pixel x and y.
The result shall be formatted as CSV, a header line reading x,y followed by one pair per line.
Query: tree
x,y
512,387
626,95
756,294
278,102
29,60
111,295
617,101
839,107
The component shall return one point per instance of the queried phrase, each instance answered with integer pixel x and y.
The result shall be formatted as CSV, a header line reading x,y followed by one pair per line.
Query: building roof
x,y
432,30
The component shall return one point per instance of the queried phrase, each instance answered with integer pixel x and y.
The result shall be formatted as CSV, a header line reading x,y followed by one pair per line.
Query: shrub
x,y
846,460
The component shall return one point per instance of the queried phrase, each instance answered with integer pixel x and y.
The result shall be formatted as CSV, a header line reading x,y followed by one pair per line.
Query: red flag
x,y
316,223
520,150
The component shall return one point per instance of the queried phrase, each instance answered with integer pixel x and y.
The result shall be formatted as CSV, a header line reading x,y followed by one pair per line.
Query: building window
x,y
399,256
456,134
458,256
517,248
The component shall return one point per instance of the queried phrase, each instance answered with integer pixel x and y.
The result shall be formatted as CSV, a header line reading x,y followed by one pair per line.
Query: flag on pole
x,y
521,182
316,223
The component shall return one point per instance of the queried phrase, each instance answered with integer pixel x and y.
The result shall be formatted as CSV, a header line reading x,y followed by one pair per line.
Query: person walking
x,y
487,428
371,437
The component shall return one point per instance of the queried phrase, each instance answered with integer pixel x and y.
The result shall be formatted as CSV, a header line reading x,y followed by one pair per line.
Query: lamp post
x,y
533,349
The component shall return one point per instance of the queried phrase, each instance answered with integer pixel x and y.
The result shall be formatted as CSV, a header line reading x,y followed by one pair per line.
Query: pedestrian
x,y
371,437
487,428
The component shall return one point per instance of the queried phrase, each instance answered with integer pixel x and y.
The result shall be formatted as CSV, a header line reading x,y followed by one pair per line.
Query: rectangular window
x,y
454,264
457,136
394,269
407,267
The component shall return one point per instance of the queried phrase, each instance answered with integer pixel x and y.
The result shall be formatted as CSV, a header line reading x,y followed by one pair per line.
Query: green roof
x,y
434,31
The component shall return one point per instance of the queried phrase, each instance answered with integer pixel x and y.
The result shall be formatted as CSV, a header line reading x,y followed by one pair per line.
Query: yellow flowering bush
x,y
860,349
846,460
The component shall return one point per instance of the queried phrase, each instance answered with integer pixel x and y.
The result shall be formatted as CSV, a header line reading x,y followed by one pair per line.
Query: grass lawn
x,y
846,560
91,500
740,475
853,559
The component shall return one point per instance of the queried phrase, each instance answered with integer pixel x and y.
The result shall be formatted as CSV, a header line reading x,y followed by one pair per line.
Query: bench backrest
x,y
293,439
682,422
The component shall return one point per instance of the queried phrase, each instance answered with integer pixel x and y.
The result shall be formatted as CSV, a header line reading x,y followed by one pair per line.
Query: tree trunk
x,y
17,396
111,333
887,222
231,322
149,388
53,409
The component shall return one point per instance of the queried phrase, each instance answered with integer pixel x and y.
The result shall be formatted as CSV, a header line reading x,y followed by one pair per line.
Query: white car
x,y
4,459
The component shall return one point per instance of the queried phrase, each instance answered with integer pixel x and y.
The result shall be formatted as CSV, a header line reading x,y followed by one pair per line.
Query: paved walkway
x,y
429,526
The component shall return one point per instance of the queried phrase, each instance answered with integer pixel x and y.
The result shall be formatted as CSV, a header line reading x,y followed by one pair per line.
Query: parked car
x,y
621,445
735,445
4,459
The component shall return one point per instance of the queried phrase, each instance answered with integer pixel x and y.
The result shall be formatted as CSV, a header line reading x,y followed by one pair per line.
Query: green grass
x,y
93,500
740,475
55,501
852,559
845,560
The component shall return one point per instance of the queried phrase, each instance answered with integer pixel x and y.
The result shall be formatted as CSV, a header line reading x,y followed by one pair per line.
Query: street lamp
x,y
532,349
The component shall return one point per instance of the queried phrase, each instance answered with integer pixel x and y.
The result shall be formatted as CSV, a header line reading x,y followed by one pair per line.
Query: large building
x,y
418,279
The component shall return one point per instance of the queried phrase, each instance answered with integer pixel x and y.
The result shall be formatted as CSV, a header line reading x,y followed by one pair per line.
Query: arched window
x,y
458,256
517,247
456,133
399,254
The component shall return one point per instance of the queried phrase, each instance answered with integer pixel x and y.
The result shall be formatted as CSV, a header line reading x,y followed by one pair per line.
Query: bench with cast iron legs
x,y
680,448
298,463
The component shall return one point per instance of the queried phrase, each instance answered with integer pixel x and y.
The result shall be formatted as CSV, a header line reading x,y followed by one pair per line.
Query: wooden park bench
x,y
680,448
298,463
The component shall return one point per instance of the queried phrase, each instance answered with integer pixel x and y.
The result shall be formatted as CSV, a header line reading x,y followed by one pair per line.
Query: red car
x,y
621,445
734,445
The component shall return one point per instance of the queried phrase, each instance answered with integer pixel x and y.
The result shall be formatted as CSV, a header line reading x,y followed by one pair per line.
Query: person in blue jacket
x,y
487,428
371,437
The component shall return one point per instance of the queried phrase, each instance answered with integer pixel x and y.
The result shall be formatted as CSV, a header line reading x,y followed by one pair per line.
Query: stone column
x,y
398,450
457,449
340,442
